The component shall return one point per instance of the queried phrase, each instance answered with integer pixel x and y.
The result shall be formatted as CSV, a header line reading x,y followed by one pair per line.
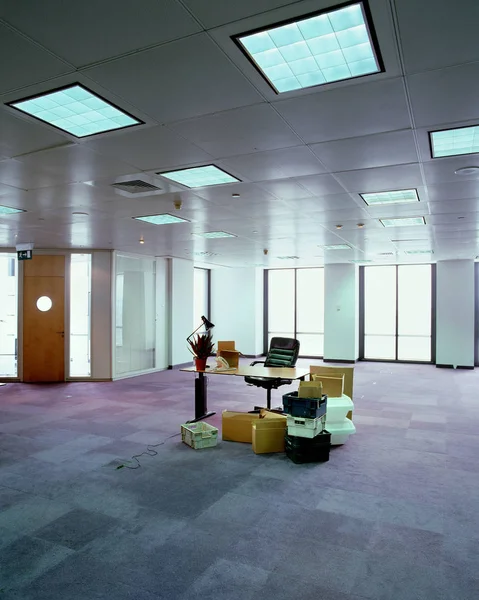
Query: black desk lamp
x,y
207,324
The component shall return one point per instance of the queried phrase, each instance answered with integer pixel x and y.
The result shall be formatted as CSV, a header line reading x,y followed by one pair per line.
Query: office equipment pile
x,y
307,439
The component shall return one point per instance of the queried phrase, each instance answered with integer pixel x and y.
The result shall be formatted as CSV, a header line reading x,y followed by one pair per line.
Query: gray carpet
x,y
394,514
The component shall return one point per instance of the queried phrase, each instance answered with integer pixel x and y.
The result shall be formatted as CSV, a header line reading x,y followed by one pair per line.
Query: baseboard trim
x,y
342,361
441,366
180,365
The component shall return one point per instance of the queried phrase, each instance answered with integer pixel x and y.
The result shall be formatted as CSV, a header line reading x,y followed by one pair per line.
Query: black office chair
x,y
283,352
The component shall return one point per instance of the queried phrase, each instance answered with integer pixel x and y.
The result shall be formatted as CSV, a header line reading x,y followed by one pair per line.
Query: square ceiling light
x,y
394,197
200,176
452,142
337,247
164,219
403,222
76,110
6,210
215,234
315,49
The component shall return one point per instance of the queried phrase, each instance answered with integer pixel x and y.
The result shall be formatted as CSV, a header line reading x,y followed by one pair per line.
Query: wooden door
x,y
44,319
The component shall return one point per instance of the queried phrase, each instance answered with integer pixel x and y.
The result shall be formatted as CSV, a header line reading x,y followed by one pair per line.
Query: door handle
x,y
62,333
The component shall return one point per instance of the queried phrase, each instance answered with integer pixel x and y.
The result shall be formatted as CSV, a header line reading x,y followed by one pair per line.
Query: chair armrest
x,y
256,362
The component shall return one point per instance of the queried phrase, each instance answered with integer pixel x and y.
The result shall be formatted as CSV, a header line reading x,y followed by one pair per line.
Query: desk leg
x,y
201,399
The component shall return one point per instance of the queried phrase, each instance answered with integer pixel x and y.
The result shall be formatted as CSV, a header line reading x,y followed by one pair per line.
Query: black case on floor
x,y
311,408
306,450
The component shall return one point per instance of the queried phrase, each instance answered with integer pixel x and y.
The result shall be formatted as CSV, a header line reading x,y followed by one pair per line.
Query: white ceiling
x,y
303,157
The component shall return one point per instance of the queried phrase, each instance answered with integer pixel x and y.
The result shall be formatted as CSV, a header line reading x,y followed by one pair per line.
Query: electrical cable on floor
x,y
148,452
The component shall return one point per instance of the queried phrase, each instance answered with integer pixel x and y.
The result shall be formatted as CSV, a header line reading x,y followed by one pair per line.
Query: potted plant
x,y
201,346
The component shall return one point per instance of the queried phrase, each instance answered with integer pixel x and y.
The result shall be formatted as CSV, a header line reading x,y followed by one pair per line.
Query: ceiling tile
x,y
348,111
443,169
456,88
324,203
453,191
439,34
217,12
222,194
151,148
27,63
381,179
461,207
239,131
378,150
321,185
171,82
286,189
275,164
20,136
79,36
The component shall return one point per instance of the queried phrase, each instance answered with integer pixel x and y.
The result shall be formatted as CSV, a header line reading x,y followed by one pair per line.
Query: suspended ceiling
x,y
302,157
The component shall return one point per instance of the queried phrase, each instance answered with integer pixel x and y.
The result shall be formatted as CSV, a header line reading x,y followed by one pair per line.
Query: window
x,y
80,321
8,315
201,295
295,306
135,324
397,312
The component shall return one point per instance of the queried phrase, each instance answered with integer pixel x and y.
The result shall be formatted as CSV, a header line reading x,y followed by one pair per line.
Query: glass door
x,y
8,315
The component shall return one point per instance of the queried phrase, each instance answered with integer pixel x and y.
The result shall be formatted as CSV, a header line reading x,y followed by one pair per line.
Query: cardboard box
x,y
268,435
348,373
333,386
227,350
310,389
238,426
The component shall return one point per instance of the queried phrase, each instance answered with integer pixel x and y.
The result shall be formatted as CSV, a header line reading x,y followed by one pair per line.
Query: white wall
x,y
181,293
341,312
237,308
455,313
101,324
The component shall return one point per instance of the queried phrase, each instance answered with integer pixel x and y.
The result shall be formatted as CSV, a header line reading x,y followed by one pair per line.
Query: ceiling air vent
x,y
386,254
135,186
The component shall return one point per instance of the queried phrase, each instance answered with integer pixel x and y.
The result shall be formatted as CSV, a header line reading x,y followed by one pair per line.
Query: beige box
x,y
238,426
268,435
348,373
333,386
310,389
227,350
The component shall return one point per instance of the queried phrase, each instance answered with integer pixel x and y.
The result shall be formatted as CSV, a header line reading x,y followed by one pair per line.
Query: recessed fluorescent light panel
x,y
164,219
411,252
215,234
394,197
337,247
200,176
313,50
288,257
6,210
452,142
403,222
76,110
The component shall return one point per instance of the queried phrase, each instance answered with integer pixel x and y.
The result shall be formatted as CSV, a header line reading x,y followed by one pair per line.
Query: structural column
x,y
341,312
455,313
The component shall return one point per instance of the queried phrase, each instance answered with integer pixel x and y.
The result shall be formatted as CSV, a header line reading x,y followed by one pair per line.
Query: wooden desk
x,y
201,398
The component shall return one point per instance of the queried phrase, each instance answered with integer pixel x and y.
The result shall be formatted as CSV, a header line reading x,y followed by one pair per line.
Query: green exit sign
x,y
24,254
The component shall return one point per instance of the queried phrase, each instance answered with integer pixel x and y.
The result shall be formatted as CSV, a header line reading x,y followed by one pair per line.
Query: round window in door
x,y
44,303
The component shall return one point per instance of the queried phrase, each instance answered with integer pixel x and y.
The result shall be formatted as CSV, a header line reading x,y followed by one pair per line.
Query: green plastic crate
x,y
199,435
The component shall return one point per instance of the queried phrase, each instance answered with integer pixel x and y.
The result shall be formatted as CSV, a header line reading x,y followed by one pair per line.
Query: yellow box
x,y
310,389
268,435
237,426
333,386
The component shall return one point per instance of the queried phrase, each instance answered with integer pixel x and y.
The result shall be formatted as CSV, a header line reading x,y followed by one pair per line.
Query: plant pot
x,y
200,364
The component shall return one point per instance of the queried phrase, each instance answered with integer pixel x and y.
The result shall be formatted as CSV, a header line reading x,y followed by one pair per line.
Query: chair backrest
x,y
283,352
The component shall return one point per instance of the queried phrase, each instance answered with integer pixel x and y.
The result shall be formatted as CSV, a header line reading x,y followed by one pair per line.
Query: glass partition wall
x,y
135,314
8,315
80,315
295,307
398,313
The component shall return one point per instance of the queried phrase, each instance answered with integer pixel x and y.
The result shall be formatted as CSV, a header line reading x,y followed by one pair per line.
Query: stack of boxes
x,y
306,439
340,407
